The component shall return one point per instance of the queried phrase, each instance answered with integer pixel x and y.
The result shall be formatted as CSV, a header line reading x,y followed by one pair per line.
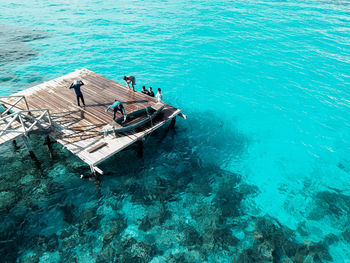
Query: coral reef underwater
x,y
180,206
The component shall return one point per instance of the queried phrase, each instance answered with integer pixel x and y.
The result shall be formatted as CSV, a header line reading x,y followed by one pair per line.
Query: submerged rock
x,y
113,229
332,204
89,219
30,257
7,199
130,250
52,243
73,240
66,232
50,257
230,194
68,213
145,224
66,255
106,254
330,239
27,180
9,250
156,216
191,236
176,258
274,242
224,238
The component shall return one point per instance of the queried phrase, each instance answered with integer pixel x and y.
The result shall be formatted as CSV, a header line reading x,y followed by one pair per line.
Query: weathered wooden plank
x,y
96,147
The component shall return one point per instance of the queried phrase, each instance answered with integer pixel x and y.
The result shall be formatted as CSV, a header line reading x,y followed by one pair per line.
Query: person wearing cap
x,y
117,106
76,86
130,80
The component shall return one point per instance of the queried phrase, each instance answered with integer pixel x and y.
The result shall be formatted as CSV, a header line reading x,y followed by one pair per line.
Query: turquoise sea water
x,y
260,169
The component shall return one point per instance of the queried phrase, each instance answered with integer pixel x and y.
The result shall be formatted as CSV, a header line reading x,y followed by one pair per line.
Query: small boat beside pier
x,y
134,119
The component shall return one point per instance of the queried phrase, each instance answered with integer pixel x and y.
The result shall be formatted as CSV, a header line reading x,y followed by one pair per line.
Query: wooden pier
x,y
52,104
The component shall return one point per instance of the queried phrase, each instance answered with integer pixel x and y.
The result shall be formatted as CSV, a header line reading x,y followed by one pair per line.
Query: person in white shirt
x,y
159,95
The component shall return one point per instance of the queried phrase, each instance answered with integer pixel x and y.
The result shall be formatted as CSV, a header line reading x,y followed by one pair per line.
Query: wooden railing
x,y
25,121
8,106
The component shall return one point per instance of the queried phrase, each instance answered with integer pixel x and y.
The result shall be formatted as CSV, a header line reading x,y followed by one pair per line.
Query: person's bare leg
x,y
133,88
127,84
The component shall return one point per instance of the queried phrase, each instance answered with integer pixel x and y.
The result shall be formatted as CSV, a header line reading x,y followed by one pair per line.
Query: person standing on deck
x,y
117,106
159,95
76,86
144,91
150,92
130,79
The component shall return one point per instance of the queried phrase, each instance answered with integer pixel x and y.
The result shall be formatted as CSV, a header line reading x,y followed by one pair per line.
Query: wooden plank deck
x,y
77,129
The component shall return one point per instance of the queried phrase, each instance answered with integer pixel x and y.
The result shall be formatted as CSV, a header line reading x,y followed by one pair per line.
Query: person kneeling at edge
x,y
76,86
128,80
117,106
144,91
150,92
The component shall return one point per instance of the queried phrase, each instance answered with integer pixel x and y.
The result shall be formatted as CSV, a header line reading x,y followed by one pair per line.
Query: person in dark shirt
x,y
76,86
150,92
144,91
130,80
117,106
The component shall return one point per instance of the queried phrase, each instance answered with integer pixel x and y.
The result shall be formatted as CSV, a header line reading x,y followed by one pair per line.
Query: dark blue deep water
x,y
260,170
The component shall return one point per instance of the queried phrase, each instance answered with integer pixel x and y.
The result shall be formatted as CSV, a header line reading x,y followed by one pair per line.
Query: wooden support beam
x,y
26,142
182,115
140,148
93,171
172,123
31,153
48,143
14,143
98,170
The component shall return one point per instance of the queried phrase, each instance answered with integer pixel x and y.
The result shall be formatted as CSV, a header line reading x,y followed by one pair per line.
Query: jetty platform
x,y
51,109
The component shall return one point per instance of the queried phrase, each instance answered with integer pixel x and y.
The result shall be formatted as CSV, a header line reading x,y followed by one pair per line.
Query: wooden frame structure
x,y
79,129
25,122
4,103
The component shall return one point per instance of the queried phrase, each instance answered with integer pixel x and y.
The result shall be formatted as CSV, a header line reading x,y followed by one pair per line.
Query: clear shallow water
x,y
259,170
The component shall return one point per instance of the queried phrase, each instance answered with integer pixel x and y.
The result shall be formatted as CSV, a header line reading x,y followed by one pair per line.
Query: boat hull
x,y
134,119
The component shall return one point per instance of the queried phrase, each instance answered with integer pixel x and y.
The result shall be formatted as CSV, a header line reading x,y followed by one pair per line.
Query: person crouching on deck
x,y
76,86
117,106
128,80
